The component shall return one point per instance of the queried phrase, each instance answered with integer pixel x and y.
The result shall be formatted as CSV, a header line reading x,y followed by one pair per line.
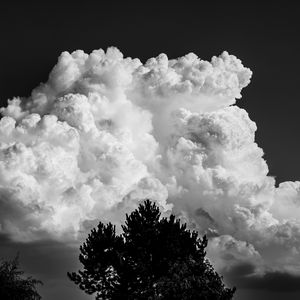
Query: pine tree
x,y
154,258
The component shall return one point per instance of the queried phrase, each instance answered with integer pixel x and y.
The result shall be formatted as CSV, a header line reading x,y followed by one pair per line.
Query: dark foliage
x,y
13,286
154,258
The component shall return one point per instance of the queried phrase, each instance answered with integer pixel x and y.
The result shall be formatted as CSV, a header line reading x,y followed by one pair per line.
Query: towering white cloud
x,y
105,132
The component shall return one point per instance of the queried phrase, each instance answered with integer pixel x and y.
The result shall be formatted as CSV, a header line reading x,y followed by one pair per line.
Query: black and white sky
x,y
105,131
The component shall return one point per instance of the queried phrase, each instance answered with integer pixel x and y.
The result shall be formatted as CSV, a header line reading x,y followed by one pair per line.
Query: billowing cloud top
x,y
106,132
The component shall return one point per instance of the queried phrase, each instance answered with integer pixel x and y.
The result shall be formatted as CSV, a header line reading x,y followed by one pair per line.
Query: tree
x,y
13,286
154,258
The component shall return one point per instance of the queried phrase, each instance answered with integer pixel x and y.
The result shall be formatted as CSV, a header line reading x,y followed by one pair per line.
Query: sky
x,y
235,165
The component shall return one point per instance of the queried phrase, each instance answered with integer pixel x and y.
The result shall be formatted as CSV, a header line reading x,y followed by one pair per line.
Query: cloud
x,y
242,276
105,132
228,253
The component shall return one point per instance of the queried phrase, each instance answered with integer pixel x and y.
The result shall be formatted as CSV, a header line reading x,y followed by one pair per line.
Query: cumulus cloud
x,y
105,132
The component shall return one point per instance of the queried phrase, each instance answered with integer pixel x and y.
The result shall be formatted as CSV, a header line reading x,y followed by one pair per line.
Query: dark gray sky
x,y
264,35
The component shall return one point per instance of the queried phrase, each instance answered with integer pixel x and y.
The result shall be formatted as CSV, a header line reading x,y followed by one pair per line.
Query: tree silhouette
x,y
154,258
13,286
